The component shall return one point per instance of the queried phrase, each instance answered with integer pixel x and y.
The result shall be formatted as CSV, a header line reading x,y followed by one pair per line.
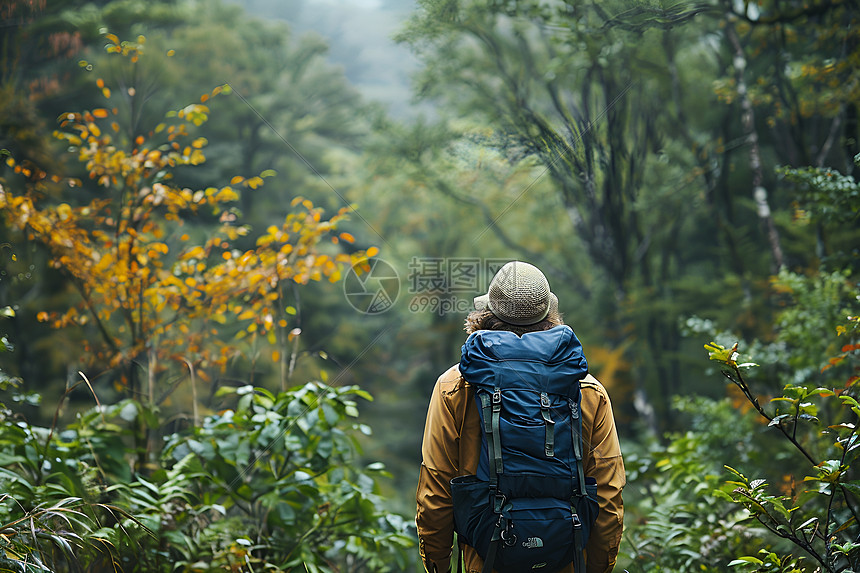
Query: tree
x,y
586,96
165,296
153,295
786,433
617,103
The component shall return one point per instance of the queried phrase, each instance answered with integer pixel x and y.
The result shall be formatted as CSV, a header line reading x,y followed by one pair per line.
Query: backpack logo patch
x,y
533,543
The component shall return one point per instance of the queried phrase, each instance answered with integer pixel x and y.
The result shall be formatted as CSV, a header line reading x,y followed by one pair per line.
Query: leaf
x,y
744,561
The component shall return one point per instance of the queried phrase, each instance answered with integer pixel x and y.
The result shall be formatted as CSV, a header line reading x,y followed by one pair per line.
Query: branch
x,y
736,377
748,119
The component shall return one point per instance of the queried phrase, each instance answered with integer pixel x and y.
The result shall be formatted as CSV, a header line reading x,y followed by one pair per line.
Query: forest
x,y
229,278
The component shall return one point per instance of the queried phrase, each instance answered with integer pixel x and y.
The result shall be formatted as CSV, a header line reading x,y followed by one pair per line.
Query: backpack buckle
x,y
508,536
497,396
498,503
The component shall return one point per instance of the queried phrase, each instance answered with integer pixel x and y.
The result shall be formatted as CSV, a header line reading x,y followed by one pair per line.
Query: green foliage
x,y
273,483
282,464
816,413
820,519
675,518
826,194
769,561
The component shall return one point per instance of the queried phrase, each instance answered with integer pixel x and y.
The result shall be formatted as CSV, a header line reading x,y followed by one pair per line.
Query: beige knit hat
x,y
519,294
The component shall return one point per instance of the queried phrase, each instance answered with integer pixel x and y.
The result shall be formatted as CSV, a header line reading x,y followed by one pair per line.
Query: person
x,y
518,300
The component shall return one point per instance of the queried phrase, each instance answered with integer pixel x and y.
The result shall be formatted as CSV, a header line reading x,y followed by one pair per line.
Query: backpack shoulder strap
x,y
576,429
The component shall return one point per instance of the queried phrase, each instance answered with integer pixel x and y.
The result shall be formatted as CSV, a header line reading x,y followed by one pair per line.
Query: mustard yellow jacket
x,y
451,447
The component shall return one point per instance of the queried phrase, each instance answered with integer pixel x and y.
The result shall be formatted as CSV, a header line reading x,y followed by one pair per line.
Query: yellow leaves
x,y
156,250
196,113
225,195
197,157
247,314
372,252
136,266
64,211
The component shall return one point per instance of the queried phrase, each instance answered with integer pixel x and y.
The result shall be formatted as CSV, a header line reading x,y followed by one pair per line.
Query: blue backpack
x,y
530,506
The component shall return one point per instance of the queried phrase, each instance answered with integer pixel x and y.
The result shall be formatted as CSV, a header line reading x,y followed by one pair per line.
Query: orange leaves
x,y
142,276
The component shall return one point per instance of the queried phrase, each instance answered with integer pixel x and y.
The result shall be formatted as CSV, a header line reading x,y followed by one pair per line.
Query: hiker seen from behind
x,y
520,454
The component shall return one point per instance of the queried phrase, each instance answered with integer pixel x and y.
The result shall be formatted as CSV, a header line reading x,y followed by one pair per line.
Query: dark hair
x,y
486,320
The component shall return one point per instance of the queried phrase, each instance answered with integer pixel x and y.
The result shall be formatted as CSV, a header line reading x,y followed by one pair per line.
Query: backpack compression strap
x,y
491,407
491,410
576,430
